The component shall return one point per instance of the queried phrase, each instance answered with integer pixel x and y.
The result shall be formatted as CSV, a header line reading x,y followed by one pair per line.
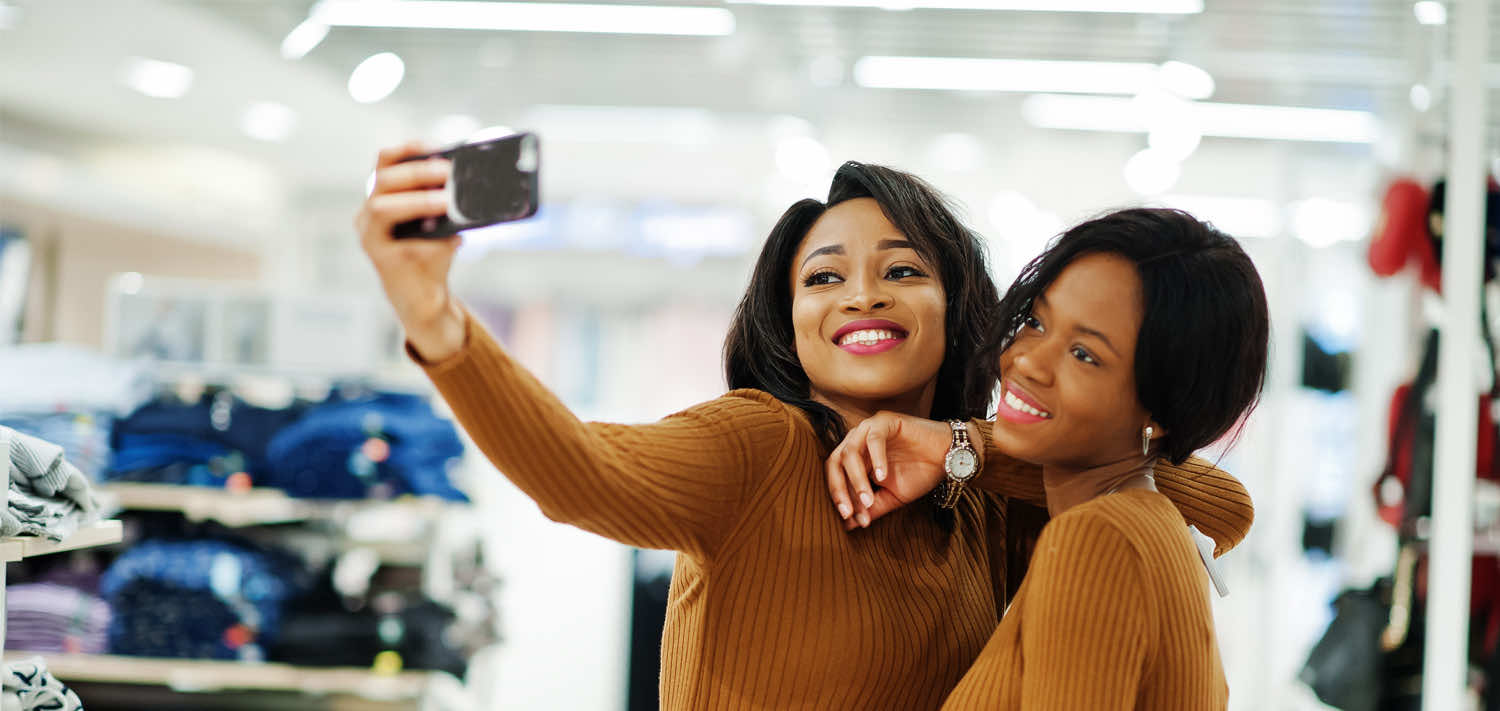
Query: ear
x,y
1157,431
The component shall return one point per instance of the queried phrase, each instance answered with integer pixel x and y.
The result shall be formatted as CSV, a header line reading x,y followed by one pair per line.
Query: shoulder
x,y
1136,524
755,414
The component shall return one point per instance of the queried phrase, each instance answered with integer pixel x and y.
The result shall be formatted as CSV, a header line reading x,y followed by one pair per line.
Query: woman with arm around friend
x,y
875,300
1136,339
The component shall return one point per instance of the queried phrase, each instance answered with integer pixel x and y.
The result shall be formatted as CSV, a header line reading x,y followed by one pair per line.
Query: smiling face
x,y
868,312
1068,392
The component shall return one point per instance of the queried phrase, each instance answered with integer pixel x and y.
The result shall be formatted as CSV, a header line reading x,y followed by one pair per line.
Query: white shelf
x,y
101,533
210,676
257,506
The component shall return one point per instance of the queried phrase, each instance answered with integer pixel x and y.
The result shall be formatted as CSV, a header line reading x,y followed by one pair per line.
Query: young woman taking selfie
x,y
1136,339
875,300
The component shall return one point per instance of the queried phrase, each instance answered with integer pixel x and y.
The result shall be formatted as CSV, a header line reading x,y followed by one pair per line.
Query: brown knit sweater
x,y
1113,616
773,605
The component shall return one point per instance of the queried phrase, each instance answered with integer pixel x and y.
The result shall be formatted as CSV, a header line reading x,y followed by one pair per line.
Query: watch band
x,y
951,488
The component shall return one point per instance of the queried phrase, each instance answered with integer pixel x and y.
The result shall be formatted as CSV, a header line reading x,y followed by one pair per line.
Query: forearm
x,y
1005,475
669,485
1208,498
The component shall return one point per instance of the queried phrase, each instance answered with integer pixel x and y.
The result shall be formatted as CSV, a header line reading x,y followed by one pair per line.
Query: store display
x,y
28,686
218,424
48,617
380,444
204,599
47,495
83,436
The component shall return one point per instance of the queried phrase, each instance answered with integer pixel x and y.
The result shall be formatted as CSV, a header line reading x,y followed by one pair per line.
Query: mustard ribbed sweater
x,y
1113,615
773,605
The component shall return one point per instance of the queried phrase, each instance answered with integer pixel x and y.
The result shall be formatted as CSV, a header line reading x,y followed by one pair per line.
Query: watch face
x,y
962,464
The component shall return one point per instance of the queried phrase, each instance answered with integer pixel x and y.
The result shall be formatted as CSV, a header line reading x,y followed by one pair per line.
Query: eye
x,y
1033,323
821,278
902,271
1083,355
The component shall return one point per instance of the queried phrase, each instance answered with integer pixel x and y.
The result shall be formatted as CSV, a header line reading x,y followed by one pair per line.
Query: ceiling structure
x,y
692,119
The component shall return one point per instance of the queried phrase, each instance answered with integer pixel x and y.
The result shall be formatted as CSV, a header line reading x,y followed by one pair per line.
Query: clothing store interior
x,y
234,485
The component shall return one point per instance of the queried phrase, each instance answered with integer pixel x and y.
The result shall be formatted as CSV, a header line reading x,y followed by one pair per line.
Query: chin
x,y
1018,446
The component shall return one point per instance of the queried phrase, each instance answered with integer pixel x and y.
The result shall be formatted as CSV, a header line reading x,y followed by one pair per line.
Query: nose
x,y
866,294
1031,362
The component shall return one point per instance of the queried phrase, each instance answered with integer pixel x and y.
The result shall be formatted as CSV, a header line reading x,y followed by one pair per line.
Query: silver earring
x,y
1146,440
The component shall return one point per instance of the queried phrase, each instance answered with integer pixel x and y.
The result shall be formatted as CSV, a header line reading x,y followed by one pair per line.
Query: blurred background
x,y
178,180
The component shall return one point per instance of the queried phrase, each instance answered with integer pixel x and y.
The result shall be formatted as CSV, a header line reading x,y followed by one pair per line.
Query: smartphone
x,y
492,181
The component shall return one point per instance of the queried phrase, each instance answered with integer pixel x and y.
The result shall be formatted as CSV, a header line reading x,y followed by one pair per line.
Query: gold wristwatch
x,y
961,464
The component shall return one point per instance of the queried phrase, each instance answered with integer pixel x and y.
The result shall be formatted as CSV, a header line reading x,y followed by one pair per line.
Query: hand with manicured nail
x,y
901,453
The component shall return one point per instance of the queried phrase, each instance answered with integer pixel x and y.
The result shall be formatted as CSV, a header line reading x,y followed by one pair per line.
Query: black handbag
x,y
1344,667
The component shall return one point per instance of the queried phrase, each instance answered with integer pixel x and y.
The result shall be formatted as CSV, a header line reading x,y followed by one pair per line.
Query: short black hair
x,y
760,350
1200,358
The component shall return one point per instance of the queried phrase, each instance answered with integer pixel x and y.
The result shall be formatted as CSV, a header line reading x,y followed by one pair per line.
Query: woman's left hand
x,y
905,455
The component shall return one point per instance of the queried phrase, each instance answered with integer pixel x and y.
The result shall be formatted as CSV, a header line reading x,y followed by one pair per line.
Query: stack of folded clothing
x,y
203,599
47,495
28,686
379,445
83,436
47,617
324,627
201,443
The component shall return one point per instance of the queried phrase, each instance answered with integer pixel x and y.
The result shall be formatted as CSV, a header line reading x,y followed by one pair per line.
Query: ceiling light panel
x,y
526,17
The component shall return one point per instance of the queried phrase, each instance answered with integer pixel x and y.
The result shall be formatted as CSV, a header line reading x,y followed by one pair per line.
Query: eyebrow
x,y
839,248
1041,299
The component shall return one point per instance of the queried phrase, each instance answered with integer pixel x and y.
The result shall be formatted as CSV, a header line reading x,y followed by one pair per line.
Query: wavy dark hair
x,y
1200,358
760,350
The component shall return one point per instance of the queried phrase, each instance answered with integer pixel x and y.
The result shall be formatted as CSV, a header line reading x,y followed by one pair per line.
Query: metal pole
x,y
1445,669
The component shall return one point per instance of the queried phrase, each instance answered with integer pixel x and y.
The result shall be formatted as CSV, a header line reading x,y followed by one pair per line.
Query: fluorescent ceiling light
x,y
268,121
1164,7
1286,123
376,77
1430,12
153,77
526,16
1028,75
303,39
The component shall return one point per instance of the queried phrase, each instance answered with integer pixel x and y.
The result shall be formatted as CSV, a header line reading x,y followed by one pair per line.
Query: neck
x,y
855,410
1070,486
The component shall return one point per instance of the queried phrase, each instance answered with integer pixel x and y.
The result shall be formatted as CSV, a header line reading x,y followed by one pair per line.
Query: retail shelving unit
x,y
102,533
199,680
198,683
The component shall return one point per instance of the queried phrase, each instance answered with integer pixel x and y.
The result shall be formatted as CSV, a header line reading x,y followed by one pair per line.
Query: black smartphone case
x,y
492,181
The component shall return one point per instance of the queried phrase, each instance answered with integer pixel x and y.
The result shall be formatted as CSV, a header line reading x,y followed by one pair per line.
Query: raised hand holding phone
x,y
413,272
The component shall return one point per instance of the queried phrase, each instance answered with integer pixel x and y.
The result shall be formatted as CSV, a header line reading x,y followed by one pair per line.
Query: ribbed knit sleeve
x,y
1207,496
1091,622
676,484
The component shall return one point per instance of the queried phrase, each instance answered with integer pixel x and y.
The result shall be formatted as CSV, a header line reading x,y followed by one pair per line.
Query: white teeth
x,y
1019,404
868,337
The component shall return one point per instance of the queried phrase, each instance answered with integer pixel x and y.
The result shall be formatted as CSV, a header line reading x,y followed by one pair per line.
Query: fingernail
x,y
864,520
845,510
879,475
866,499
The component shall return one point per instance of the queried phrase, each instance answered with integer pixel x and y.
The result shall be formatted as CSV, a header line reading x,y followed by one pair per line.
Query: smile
x,y
1019,408
869,336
